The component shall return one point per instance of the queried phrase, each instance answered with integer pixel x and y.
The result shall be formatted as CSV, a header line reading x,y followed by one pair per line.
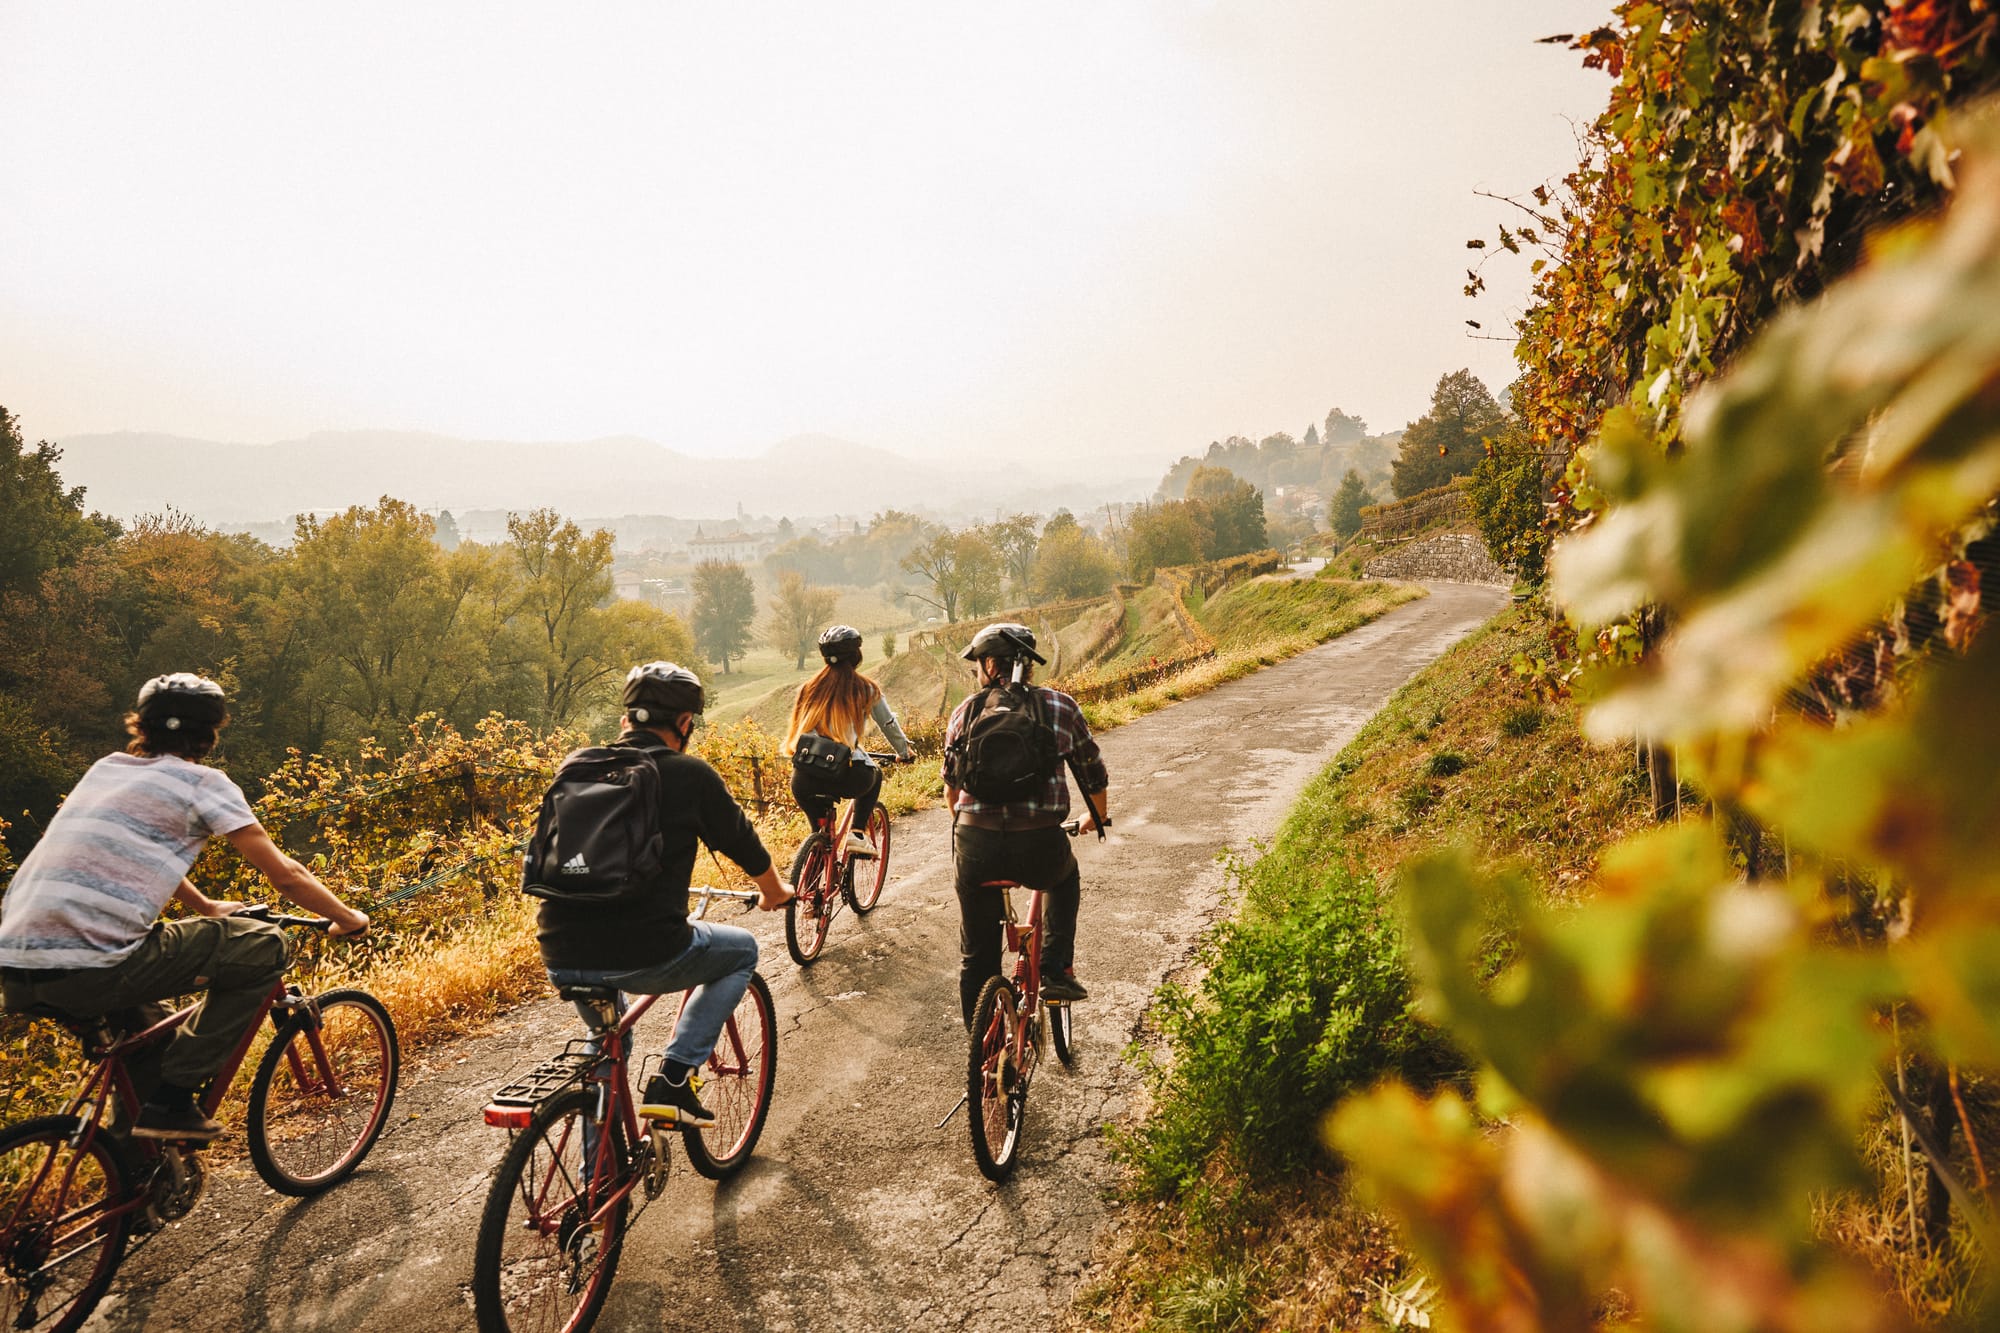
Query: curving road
x,y
858,1213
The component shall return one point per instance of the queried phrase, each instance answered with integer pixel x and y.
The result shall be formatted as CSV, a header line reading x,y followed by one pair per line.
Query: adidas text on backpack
x,y
598,837
1007,751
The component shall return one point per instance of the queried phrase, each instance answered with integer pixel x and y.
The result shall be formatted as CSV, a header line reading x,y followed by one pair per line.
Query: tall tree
x,y
1448,440
565,575
42,522
1015,538
1231,509
725,602
1342,428
799,612
1162,536
1344,513
1072,563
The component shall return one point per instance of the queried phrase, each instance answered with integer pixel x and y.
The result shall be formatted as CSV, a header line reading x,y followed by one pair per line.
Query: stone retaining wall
x,y
1454,557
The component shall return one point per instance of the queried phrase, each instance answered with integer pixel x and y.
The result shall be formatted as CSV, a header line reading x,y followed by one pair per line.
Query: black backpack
x,y
598,837
1007,751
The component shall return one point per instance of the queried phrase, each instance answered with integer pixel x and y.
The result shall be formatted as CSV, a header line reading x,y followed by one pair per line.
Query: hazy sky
x,y
1087,231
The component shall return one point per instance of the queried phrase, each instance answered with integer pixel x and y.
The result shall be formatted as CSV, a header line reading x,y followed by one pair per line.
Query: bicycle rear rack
x,y
549,1077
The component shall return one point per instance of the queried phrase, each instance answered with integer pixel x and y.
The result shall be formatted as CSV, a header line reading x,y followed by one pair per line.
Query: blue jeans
x,y
716,964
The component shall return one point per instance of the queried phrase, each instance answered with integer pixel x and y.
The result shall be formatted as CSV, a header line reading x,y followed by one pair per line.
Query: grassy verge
x,y
1238,1218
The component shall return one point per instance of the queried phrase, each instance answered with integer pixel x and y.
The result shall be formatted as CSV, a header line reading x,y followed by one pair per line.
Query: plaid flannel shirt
x,y
1051,806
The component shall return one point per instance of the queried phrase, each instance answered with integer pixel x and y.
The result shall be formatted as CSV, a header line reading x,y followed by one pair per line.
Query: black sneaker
x,y
174,1122
1064,986
675,1103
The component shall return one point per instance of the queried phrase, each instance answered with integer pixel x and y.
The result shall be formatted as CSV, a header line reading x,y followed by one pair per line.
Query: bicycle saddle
x,y
588,994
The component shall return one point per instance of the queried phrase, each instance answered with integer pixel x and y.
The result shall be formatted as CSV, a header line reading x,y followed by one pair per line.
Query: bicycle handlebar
x,y
1074,827
263,912
748,897
888,757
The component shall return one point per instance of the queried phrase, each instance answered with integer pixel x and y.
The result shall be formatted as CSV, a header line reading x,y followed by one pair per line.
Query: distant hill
x,y
130,473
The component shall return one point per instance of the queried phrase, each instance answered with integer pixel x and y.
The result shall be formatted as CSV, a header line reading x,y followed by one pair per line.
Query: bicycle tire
x,y
534,1207
996,1097
1061,1033
302,1140
863,899
737,1079
40,1176
810,912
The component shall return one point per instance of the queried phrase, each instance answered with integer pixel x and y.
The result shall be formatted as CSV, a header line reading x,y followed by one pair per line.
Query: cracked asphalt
x,y
858,1212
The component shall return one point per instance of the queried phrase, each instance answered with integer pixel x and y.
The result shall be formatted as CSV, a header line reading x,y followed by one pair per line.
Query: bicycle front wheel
x,y
1060,1030
810,912
864,882
736,1085
547,1246
61,1234
322,1092
996,1086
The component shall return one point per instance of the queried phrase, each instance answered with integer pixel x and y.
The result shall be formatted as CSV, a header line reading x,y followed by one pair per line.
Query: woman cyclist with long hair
x,y
837,704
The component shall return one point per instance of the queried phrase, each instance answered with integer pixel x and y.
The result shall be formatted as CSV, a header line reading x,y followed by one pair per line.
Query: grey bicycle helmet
x,y
1005,640
661,691
841,642
181,699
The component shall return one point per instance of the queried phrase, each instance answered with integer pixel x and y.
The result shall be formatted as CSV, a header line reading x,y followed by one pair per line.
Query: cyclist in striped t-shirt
x,y
79,927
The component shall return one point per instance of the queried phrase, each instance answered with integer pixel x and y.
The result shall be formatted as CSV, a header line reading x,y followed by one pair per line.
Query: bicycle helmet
x,y
1005,640
842,642
658,692
181,699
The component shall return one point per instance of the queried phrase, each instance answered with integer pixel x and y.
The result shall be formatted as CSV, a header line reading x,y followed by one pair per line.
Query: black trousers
x,y
1038,858
817,792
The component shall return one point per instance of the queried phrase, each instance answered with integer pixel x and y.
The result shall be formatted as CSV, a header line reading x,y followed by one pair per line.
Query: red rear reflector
x,y
510,1117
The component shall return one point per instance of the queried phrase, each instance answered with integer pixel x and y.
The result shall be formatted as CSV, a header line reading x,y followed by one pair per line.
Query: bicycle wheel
x,y
810,912
996,1090
1061,1032
736,1085
61,1236
322,1093
540,1261
863,882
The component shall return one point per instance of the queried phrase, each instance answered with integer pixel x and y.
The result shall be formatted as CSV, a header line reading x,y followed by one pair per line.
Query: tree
x,y
42,524
1311,441
565,575
799,613
1342,428
1061,520
725,602
1072,563
447,531
1232,510
1344,513
1506,496
1015,539
1162,536
1448,440
962,570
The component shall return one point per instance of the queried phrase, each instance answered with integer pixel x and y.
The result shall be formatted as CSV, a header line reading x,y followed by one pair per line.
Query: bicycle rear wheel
x,y
322,1093
736,1085
61,1237
810,912
996,1086
863,882
540,1261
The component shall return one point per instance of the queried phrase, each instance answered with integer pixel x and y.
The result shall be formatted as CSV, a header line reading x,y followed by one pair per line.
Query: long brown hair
x,y
835,703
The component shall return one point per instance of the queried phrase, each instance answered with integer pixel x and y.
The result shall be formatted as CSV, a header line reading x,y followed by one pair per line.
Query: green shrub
x,y
1298,1006
1524,720
1415,801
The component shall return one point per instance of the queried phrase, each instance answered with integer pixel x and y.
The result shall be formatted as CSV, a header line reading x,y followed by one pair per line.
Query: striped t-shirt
x,y
112,857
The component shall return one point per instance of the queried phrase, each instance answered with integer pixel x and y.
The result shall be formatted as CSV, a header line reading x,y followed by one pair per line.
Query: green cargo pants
x,y
235,961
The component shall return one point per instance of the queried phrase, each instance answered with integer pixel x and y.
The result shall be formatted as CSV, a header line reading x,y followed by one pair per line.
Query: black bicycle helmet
x,y
657,692
1005,640
181,699
842,642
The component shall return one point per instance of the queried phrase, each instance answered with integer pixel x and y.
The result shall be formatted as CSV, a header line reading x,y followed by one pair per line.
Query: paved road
x,y
858,1213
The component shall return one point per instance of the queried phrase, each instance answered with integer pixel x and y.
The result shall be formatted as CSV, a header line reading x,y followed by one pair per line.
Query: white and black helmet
x,y
657,692
181,699
1005,640
840,641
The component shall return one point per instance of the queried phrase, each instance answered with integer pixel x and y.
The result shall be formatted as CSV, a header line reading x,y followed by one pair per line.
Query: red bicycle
x,y
824,876
74,1188
1008,1034
555,1219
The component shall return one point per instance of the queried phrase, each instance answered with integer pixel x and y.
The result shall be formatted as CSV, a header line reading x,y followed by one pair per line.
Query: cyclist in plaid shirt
x,y
1022,841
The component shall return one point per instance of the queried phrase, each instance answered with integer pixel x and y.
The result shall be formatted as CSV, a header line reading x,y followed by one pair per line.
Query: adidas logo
x,y
575,866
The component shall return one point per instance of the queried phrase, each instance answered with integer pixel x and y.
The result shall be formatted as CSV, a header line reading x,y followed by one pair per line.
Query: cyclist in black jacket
x,y
654,949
